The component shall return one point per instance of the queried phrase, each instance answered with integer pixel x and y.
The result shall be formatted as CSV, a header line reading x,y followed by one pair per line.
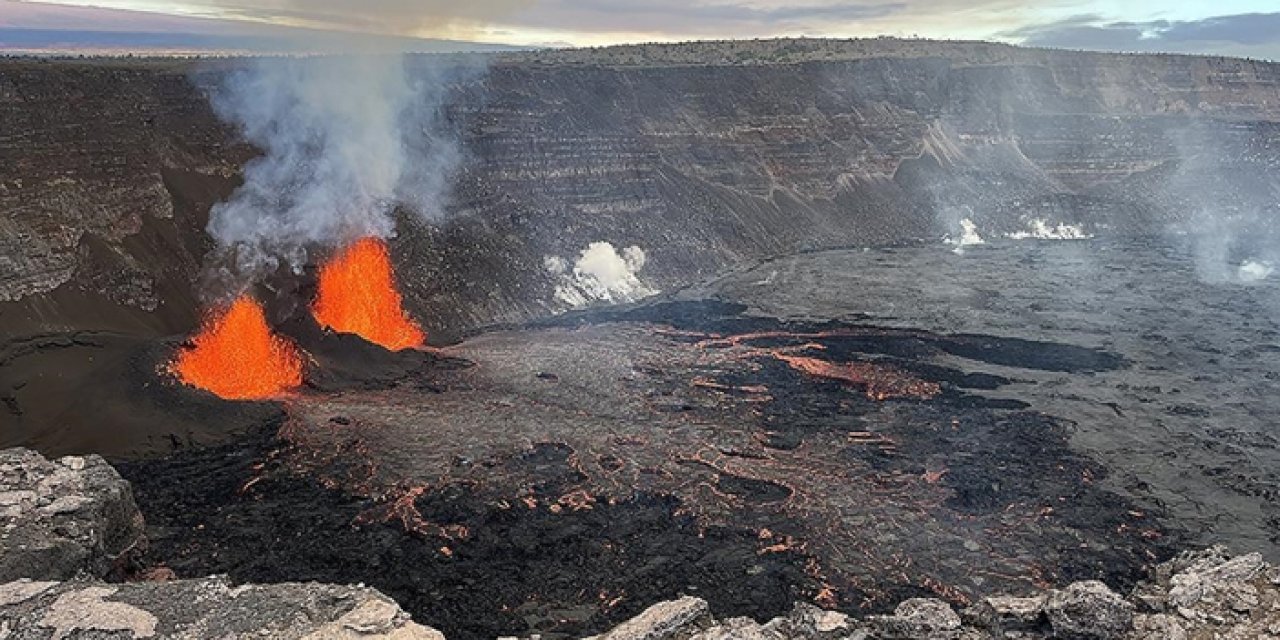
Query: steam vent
x,y
759,339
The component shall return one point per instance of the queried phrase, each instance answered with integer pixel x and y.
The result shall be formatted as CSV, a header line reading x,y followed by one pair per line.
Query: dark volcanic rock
x,y
207,608
58,520
480,571
680,454
111,394
1198,594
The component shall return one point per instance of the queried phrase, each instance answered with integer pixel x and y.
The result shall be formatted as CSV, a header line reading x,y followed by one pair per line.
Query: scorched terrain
x,y
807,429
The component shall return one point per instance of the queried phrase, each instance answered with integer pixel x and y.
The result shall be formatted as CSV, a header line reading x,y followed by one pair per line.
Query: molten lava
x,y
881,382
358,295
235,356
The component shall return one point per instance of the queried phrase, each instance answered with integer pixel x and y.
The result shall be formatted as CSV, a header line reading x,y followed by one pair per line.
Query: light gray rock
x,y
1158,627
197,609
740,629
1003,614
1089,610
665,620
62,519
1209,594
1238,598
1186,560
1212,575
918,619
812,623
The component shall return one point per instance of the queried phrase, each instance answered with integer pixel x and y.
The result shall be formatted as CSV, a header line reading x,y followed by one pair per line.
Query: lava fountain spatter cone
x,y
236,357
357,294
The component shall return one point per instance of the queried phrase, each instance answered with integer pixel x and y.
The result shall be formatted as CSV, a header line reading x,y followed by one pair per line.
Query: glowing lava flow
x,y
358,295
236,357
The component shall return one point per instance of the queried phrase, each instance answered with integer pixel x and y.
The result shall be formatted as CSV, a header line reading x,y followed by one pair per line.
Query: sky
x,y
1248,28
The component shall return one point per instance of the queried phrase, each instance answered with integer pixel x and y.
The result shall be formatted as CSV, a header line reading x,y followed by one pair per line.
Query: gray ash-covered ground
x,y
1189,423
848,427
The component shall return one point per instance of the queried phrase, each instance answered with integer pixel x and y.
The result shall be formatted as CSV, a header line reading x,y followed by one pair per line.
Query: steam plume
x,y
345,140
600,273
1233,203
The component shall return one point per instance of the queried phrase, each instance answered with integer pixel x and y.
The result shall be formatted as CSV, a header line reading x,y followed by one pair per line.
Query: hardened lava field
x,y
582,468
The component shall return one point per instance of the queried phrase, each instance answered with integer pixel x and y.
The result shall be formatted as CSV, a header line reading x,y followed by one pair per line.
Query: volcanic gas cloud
x,y
357,294
235,355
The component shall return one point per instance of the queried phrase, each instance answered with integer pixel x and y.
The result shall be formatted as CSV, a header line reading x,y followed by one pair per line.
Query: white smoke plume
x,y
344,140
1254,271
1038,229
967,237
1233,201
600,274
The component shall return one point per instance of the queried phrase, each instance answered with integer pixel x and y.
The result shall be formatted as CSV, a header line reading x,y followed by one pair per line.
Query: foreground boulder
x,y
195,609
1198,595
66,518
919,618
1209,594
1089,610
662,621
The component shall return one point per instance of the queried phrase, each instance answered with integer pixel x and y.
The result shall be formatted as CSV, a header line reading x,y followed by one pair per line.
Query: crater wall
x,y
707,156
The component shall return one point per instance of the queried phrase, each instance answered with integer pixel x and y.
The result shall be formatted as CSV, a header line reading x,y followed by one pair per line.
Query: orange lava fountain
x,y
235,356
358,294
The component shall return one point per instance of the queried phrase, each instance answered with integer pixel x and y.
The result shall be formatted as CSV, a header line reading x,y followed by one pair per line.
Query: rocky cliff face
x,y
704,156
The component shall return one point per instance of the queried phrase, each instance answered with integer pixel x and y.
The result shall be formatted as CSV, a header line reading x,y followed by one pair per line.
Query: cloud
x,y
1246,34
386,17
42,16
1131,28
676,14
699,17
403,17
33,26
480,18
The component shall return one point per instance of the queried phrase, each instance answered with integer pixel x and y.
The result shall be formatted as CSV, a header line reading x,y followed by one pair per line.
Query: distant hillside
x,y
797,50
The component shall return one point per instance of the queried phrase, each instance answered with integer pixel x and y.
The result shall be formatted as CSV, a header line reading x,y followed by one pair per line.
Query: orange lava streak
x,y
881,382
358,295
235,356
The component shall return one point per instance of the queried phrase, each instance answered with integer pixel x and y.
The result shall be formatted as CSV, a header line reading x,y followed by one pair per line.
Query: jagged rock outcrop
x,y
68,522
60,519
1201,594
197,609
1088,610
663,620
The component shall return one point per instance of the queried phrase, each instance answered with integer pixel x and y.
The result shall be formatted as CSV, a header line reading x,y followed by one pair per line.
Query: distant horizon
x,y
1235,28
461,47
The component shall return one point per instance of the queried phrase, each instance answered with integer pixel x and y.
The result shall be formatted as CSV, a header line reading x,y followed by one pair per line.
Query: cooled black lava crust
x,y
953,479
